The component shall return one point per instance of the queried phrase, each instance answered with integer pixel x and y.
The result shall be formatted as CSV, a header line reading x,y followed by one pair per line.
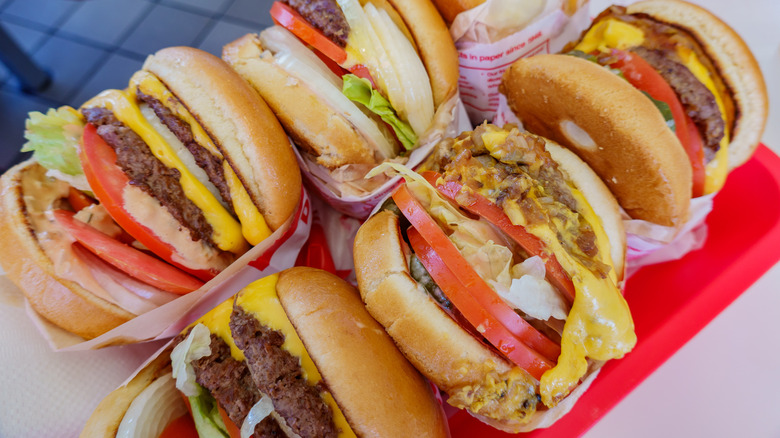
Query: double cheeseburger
x,y
295,354
667,61
353,83
498,273
145,193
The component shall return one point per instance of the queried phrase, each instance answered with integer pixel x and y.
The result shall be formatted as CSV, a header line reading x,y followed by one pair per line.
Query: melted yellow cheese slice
x,y
717,169
217,321
260,300
253,225
610,34
226,231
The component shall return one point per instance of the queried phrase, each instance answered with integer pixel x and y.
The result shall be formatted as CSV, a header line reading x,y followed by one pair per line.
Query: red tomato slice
x,y
468,277
108,182
291,20
644,77
182,427
127,259
476,315
78,200
481,206
696,155
232,429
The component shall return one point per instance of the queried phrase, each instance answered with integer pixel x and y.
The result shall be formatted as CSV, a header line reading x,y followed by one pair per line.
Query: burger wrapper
x,y
493,35
274,254
647,243
348,192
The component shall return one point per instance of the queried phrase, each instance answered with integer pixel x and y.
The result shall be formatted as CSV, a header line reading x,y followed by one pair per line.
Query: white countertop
x,y
724,382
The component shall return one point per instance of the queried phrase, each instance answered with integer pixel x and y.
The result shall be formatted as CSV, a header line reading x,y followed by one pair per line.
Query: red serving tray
x,y
672,301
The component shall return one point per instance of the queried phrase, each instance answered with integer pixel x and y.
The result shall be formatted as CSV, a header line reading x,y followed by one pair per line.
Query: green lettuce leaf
x,y
359,90
53,139
205,413
665,111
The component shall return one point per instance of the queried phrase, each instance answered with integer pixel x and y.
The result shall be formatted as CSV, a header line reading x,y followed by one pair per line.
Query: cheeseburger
x,y
498,273
293,354
696,71
144,193
353,83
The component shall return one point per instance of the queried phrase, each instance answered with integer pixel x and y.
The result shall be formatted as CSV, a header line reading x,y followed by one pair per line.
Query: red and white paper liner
x,y
485,53
276,253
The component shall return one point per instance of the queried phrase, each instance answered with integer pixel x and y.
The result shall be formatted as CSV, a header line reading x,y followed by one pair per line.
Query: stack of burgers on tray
x,y
493,260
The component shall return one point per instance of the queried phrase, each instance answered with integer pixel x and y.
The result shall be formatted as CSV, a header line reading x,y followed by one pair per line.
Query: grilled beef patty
x,y
697,100
148,173
326,16
278,374
211,164
230,383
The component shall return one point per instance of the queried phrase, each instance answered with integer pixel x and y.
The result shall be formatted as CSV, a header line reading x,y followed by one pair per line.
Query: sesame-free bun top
x,y
240,123
734,62
379,392
608,123
450,9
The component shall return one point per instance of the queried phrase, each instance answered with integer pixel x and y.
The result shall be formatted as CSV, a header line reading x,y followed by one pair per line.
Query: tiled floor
x,y
90,45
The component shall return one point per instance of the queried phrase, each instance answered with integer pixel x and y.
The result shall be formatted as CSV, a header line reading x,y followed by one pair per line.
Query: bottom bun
x,y
62,302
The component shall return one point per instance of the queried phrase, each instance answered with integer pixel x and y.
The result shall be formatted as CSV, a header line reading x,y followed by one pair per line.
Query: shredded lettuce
x,y
521,285
54,139
359,90
205,413
196,346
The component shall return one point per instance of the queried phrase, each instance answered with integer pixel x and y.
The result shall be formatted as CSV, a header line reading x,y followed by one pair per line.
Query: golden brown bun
x,y
734,62
379,392
105,419
309,121
62,302
630,147
435,44
451,8
244,128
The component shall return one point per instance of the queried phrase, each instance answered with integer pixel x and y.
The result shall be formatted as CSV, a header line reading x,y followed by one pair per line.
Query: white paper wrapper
x,y
276,253
349,197
484,52
648,243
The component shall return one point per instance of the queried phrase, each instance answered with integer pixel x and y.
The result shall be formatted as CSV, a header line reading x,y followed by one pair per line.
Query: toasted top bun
x,y
449,356
105,419
732,58
313,124
608,123
378,391
240,123
63,302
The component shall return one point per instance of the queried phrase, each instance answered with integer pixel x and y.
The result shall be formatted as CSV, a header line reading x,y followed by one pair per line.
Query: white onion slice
x,y
416,97
257,413
128,293
278,39
154,408
181,151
